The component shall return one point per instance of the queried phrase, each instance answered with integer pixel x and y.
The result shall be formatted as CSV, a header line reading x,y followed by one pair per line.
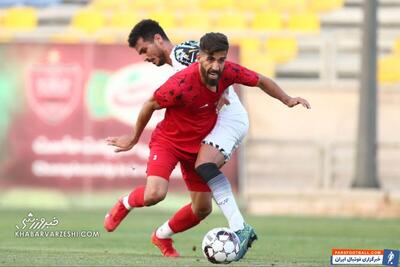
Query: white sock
x,y
125,202
223,196
164,231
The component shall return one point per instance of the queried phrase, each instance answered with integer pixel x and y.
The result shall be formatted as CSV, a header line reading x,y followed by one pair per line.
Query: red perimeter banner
x,y
59,103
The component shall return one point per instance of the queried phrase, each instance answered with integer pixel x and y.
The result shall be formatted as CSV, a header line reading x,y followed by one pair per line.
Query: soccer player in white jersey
x,y
150,41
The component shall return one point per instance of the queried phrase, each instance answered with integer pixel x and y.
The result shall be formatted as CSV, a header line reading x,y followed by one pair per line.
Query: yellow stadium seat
x,y
324,5
389,69
231,20
216,4
88,20
166,19
268,20
20,18
304,22
123,19
183,5
252,5
281,49
396,48
253,57
289,5
250,45
262,64
196,21
149,5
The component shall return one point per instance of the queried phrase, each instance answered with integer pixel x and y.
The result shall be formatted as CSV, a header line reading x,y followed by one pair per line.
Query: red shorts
x,y
163,159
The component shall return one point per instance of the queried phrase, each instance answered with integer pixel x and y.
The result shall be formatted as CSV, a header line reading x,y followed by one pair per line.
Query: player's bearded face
x,y
211,66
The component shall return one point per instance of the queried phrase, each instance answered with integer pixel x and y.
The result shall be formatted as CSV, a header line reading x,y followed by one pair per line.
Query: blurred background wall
x,y
68,80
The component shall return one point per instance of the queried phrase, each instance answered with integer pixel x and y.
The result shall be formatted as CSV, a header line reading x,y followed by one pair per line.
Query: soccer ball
x,y
220,245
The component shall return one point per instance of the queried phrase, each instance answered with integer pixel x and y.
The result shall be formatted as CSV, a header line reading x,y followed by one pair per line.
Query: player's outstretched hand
x,y
122,143
294,101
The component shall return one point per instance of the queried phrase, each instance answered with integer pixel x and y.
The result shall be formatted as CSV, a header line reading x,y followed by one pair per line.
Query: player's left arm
x,y
275,91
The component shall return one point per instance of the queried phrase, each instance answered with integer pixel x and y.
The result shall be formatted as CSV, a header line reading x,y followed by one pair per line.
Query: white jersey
x,y
233,123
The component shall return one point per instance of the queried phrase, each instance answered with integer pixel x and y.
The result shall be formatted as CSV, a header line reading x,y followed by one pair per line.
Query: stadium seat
x,y
198,20
88,20
216,5
231,20
20,18
323,6
123,19
252,5
183,5
250,45
149,5
389,69
396,49
288,5
255,58
262,64
304,22
267,20
166,19
281,49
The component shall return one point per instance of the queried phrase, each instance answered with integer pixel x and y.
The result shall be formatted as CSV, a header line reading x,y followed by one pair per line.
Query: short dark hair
x,y
146,29
214,42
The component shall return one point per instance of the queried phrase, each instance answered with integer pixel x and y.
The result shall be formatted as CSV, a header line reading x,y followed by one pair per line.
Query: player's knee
x,y
208,171
152,197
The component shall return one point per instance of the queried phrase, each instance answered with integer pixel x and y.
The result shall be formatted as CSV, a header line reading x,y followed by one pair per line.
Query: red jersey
x,y
191,107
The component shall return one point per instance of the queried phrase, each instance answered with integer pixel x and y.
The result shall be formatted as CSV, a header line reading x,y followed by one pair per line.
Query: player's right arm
x,y
127,142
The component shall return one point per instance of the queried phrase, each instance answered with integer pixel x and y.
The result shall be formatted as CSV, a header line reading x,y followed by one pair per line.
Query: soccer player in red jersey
x,y
190,99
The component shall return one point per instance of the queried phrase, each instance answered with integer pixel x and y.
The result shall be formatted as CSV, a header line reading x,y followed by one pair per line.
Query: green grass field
x,y
283,241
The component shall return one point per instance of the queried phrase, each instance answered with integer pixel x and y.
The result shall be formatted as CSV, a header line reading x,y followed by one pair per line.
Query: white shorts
x,y
231,127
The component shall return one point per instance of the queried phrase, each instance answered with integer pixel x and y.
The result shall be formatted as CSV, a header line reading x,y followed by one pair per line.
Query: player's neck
x,y
168,51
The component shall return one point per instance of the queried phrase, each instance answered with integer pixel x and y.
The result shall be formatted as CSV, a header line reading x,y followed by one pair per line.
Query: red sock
x,y
184,219
136,197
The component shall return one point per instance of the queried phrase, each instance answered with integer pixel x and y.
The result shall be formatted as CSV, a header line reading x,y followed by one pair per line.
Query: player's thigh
x,y
193,181
160,164
201,203
225,137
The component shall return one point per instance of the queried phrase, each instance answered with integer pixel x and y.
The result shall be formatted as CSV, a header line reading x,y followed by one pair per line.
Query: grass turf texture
x,y
283,241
